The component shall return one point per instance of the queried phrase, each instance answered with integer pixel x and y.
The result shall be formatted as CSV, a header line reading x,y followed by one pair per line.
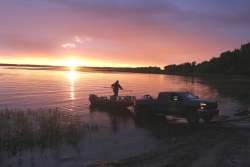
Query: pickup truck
x,y
180,104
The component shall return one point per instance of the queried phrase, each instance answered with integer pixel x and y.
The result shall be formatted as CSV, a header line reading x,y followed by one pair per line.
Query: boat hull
x,y
121,102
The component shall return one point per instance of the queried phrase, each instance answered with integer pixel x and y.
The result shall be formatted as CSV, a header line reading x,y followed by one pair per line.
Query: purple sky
x,y
121,32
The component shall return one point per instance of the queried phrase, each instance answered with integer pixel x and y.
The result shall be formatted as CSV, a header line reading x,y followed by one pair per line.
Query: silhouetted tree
x,y
229,62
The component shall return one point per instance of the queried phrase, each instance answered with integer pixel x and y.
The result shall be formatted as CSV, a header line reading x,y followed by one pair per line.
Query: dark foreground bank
x,y
223,144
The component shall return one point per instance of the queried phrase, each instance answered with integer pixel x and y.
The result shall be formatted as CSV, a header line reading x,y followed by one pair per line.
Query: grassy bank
x,y
22,130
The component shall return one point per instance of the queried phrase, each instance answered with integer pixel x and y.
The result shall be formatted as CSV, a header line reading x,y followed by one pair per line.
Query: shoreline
x,y
206,145
121,70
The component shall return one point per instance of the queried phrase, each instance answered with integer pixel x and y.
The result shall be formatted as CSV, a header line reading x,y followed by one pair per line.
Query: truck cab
x,y
181,104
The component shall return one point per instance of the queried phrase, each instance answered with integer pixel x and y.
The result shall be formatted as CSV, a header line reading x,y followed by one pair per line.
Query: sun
x,y
72,64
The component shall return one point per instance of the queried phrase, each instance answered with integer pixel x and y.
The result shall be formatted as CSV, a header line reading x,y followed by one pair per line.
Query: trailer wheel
x,y
144,114
160,117
193,119
207,119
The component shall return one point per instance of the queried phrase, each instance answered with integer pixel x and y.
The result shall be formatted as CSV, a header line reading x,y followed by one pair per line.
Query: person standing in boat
x,y
116,87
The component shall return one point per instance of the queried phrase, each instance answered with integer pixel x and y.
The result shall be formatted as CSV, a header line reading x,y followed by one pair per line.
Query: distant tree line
x,y
229,62
150,69
153,70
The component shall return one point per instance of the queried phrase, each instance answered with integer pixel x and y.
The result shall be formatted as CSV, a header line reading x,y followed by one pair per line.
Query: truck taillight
x,y
203,106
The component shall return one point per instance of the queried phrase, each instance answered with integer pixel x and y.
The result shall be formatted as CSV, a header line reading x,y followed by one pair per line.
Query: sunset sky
x,y
120,32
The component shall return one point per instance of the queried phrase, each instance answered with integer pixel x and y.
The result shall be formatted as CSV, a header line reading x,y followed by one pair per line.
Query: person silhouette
x,y
116,87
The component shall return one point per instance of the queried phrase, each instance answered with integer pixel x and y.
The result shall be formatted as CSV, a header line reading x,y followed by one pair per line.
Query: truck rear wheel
x,y
207,119
193,119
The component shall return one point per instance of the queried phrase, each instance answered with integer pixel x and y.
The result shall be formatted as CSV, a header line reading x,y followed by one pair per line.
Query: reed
x,y
43,128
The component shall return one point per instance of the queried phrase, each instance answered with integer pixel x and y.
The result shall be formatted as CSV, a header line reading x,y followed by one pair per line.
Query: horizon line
x,y
43,65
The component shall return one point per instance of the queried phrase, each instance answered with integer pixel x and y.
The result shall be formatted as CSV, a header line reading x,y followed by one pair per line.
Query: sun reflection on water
x,y
72,76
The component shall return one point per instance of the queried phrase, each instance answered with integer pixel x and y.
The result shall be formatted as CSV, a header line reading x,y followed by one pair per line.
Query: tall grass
x,y
20,130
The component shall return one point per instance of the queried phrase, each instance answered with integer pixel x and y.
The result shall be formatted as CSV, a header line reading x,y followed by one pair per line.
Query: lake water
x,y
69,90
117,136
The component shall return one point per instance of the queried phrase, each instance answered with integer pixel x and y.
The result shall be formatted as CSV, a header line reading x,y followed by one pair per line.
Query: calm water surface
x,y
69,90
118,136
